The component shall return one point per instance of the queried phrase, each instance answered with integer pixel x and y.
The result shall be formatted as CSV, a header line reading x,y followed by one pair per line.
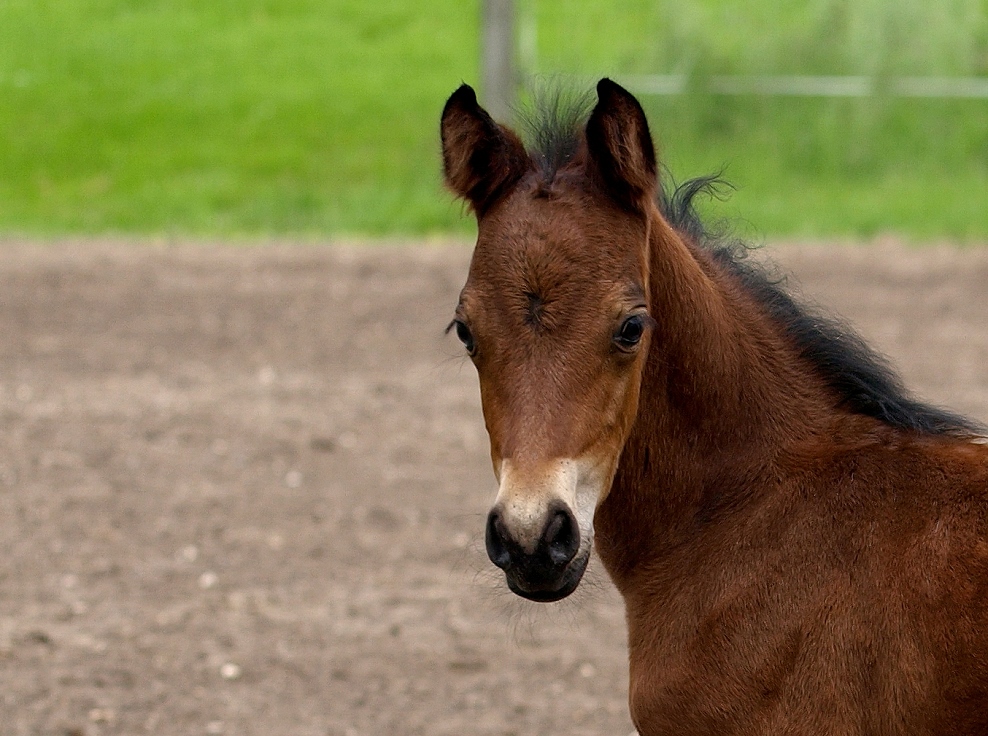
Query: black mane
x,y
553,127
863,380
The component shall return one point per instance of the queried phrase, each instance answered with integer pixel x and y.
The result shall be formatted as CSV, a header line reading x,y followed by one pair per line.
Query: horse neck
x,y
721,393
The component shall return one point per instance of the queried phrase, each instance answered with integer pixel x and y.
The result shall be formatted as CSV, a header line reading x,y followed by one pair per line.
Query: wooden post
x,y
497,58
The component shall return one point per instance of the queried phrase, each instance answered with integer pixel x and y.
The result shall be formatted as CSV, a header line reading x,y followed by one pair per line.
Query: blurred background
x,y
243,489
319,117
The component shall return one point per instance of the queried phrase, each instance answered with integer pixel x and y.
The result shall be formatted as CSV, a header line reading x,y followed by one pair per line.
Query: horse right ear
x,y
620,146
481,160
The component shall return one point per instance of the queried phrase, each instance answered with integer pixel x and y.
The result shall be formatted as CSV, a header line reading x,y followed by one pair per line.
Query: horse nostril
x,y
561,537
497,550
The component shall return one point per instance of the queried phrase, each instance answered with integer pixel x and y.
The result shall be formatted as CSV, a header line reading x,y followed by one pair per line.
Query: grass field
x,y
308,117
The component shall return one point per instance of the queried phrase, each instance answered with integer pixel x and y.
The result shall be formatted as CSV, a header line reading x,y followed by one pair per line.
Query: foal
x,y
801,548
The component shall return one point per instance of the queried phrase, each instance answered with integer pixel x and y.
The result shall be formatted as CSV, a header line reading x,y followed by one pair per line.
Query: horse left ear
x,y
620,146
481,159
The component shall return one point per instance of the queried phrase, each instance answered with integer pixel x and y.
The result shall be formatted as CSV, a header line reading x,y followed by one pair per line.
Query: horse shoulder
x,y
858,587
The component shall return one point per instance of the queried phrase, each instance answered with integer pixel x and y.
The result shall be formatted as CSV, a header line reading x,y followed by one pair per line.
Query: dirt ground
x,y
242,490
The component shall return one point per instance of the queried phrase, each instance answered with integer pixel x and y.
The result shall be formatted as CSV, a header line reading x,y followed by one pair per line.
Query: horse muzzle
x,y
546,571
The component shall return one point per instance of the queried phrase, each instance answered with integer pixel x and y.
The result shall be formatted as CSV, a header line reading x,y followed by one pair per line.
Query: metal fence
x,y
501,77
813,86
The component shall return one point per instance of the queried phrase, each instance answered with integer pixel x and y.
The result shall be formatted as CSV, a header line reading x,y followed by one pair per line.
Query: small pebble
x,y
79,608
102,715
266,376
231,671
208,579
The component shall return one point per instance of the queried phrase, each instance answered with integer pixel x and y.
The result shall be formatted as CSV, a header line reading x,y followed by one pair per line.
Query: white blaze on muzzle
x,y
528,493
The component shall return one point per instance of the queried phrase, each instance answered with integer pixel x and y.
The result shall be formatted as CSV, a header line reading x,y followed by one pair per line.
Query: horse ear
x,y
620,146
481,160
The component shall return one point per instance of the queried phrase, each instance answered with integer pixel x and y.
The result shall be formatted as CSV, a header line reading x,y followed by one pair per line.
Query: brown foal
x,y
801,547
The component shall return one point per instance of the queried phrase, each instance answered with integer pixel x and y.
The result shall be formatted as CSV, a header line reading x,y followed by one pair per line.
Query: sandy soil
x,y
242,490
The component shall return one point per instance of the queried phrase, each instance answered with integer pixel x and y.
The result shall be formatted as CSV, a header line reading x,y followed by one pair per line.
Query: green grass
x,y
315,117
803,166
810,167
227,116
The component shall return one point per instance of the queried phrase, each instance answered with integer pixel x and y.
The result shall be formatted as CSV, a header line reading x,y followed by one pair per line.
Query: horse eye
x,y
465,336
630,332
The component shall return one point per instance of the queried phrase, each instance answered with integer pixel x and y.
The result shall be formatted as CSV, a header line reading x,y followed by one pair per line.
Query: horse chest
x,y
693,676
739,668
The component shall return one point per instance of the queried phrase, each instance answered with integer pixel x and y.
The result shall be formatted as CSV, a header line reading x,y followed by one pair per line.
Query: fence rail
x,y
505,42
811,86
